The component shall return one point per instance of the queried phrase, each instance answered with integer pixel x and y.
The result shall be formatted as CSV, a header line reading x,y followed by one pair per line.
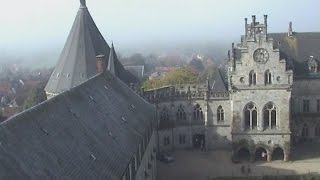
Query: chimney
x,y
266,23
246,26
290,29
101,63
233,50
253,30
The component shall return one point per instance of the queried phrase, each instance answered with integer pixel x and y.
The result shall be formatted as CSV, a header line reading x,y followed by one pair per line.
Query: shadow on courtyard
x,y
306,151
202,165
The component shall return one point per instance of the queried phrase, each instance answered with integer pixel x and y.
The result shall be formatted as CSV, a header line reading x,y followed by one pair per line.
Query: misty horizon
x,y
36,27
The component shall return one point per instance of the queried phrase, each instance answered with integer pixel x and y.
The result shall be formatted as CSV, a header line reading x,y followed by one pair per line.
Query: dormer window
x,y
313,65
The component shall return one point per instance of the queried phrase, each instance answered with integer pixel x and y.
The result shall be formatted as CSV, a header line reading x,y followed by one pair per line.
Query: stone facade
x,y
253,115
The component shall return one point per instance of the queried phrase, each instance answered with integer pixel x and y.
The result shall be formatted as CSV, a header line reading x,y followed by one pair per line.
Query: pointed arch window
x,y
197,112
250,116
181,114
267,78
270,116
305,131
252,78
164,115
220,114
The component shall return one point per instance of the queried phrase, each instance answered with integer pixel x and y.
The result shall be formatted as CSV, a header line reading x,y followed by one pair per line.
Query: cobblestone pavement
x,y
201,165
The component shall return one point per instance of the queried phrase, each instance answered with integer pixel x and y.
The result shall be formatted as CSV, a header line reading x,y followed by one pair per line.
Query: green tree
x,y
178,76
37,96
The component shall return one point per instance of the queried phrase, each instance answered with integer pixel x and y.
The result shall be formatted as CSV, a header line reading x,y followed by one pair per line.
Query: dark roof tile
x,y
69,136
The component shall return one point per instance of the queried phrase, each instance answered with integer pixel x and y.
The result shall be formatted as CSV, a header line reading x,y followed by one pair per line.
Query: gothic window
x,y
164,115
270,116
220,114
317,131
250,116
305,131
267,77
313,65
166,140
252,78
305,105
182,138
197,112
181,114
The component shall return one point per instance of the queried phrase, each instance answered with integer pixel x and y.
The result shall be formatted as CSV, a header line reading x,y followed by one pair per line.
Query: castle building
x,y
95,127
263,102
99,129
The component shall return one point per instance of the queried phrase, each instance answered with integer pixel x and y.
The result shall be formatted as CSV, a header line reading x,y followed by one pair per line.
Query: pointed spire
x,y
77,61
290,29
112,57
83,4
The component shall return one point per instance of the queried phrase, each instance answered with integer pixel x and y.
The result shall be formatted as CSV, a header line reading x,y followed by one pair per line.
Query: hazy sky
x,y
41,24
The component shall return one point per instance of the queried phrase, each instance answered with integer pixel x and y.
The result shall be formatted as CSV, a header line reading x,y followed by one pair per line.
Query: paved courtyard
x,y
201,165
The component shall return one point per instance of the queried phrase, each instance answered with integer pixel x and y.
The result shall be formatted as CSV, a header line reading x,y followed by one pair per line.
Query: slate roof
x,y
78,134
298,48
306,87
219,84
77,61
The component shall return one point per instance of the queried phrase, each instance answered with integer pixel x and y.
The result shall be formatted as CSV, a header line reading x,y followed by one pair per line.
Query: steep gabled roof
x,y
88,132
77,61
219,85
298,48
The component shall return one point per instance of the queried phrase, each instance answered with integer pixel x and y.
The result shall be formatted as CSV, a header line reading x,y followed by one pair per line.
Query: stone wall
x,y
148,167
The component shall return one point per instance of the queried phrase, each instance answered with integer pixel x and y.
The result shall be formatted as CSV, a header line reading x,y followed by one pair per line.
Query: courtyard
x,y
204,165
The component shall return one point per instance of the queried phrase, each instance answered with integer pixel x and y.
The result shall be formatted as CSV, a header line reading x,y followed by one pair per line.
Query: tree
x,y
37,96
196,64
174,77
136,59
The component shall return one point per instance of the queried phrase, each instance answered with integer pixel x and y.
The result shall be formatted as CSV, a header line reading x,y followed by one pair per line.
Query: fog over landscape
x,y
36,30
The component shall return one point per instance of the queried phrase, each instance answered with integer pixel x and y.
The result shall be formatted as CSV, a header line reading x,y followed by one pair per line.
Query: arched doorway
x,y
278,154
260,154
243,154
199,141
